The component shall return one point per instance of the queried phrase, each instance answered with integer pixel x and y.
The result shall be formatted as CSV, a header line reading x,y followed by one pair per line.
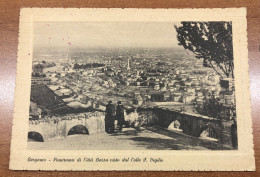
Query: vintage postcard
x,y
132,89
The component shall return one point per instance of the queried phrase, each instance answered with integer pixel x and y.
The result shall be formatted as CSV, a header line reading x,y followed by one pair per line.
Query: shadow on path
x,y
158,143
127,133
160,139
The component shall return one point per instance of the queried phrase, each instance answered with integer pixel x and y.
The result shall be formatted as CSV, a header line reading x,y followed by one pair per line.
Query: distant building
x,y
55,87
75,104
157,87
167,96
164,88
128,64
40,80
38,68
68,100
35,112
188,97
157,96
190,89
63,92
177,97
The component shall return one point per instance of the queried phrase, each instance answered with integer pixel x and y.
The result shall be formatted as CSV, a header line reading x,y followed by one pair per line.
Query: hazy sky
x,y
91,35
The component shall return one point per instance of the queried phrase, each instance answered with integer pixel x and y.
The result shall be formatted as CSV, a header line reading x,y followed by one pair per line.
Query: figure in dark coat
x,y
120,115
109,118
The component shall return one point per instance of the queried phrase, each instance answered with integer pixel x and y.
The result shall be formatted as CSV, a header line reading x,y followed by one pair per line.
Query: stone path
x,y
128,139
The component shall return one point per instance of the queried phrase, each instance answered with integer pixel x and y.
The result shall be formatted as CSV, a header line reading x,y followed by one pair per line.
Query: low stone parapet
x,y
57,127
191,124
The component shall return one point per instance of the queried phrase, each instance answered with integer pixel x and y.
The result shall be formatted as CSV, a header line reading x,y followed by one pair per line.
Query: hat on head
x,y
119,102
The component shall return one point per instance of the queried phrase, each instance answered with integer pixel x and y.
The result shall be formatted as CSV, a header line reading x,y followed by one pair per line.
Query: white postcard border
x,y
173,160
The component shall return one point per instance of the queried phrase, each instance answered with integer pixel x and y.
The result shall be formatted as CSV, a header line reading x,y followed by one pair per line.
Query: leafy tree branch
x,y
210,41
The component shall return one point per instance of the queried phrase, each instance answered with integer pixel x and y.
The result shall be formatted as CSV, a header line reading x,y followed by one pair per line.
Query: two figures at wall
x,y
113,114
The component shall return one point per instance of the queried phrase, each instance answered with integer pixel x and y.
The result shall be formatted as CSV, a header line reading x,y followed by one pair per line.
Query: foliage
x,y
210,106
211,41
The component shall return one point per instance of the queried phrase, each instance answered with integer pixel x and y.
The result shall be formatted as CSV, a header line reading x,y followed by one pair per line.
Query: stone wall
x,y
58,127
191,124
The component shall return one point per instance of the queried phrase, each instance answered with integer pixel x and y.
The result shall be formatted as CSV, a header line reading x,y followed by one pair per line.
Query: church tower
x,y
128,64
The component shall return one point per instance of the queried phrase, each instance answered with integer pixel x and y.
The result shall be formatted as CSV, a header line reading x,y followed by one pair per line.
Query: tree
x,y
211,106
211,41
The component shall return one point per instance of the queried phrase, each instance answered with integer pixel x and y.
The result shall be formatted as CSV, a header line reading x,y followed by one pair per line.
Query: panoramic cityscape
x,y
170,99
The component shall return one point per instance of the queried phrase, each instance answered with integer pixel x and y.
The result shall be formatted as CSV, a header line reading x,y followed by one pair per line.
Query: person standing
x,y
109,118
120,115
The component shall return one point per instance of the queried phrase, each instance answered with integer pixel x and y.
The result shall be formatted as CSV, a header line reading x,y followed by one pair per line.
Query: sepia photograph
x,y
144,87
132,86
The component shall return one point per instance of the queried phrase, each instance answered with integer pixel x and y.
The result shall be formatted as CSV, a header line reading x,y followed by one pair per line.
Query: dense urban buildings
x,y
86,80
